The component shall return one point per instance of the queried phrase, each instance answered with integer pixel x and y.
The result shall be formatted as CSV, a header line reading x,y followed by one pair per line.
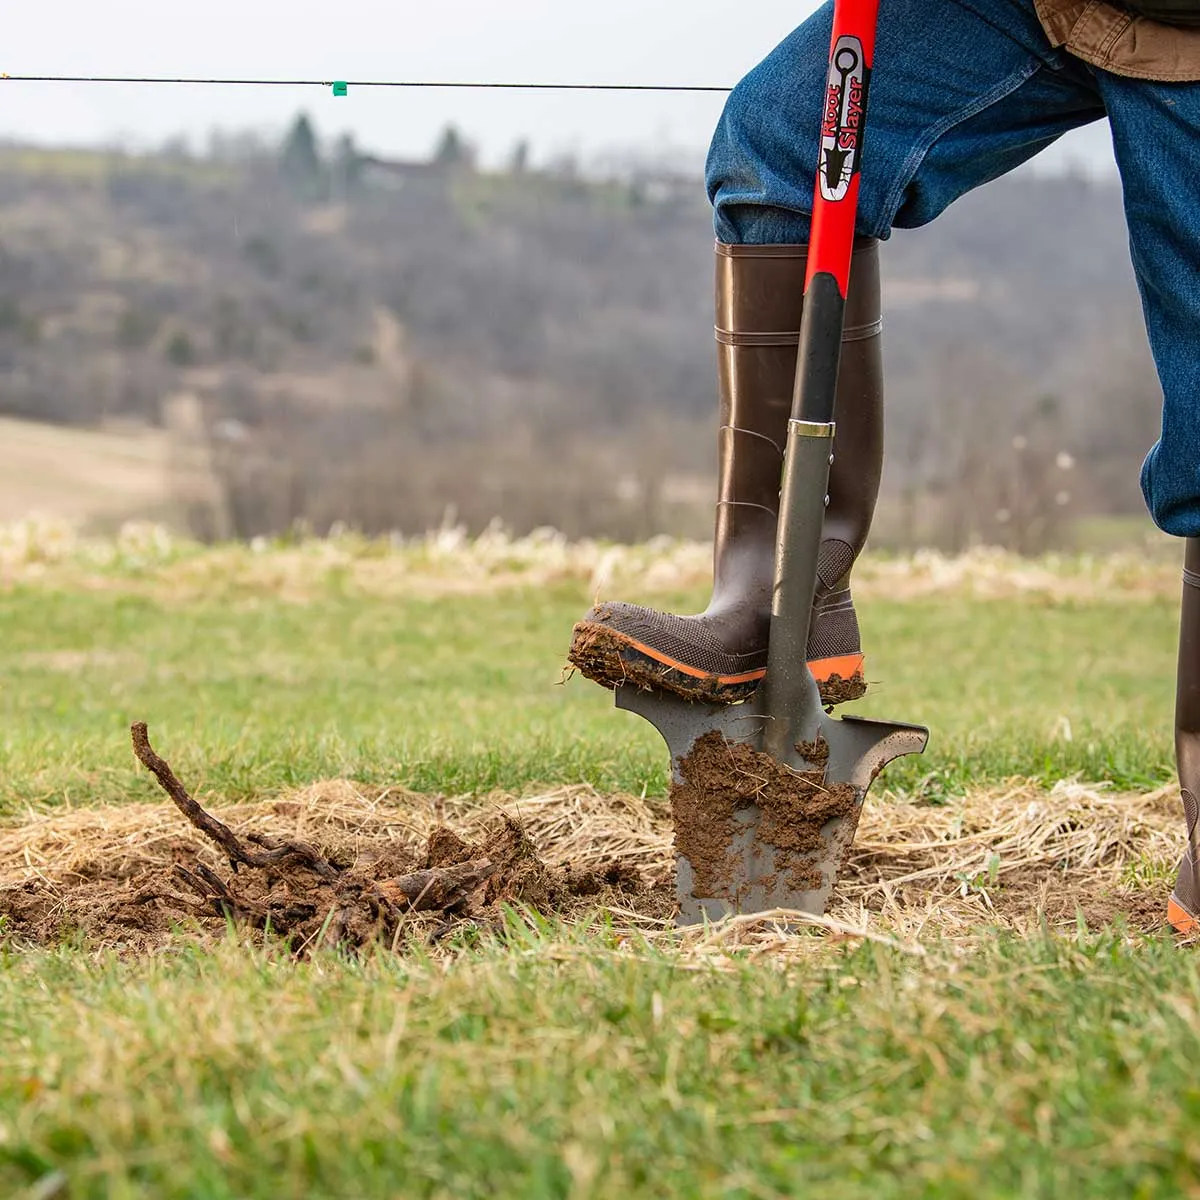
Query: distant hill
x,y
378,342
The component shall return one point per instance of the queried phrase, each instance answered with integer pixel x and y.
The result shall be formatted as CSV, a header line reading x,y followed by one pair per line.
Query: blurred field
x,y
989,1010
79,474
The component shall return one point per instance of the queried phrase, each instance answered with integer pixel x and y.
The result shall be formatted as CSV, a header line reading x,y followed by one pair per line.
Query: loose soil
x,y
385,895
719,779
836,690
341,893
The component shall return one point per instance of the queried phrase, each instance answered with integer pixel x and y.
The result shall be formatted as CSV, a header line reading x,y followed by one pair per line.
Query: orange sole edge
x,y
1181,920
845,667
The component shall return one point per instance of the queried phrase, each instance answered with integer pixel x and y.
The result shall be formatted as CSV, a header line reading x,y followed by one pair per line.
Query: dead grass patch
x,y
448,562
1014,858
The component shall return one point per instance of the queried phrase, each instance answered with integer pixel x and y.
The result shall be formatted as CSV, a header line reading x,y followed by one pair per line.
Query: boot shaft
x,y
720,655
759,304
1184,908
1187,694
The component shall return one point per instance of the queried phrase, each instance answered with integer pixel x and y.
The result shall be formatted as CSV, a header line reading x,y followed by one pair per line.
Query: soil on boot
x,y
607,658
610,660
836,690
722,778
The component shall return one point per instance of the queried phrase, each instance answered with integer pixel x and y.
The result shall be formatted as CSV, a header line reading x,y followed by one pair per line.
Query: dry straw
x,y
1004,858
449,562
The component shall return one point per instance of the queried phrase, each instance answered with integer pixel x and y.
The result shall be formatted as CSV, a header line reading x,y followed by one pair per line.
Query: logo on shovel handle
x,y
842,126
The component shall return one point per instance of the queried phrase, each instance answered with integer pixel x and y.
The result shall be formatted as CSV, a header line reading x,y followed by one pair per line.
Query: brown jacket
x,y
1117,41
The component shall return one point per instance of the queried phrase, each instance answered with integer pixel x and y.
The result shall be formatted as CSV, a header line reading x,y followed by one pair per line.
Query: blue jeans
x,y
963,91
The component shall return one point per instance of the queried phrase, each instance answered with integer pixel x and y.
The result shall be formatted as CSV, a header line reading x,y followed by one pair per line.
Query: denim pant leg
x,y
1156,135
962,91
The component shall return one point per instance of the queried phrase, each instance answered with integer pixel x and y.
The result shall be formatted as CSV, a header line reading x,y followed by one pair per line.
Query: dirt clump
x,y
721,780
836,690
608,659
342,894
704,806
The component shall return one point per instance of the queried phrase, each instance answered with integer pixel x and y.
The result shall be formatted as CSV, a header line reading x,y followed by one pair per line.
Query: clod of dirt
x,y
445,848
836,690
719,779
600,655
311,896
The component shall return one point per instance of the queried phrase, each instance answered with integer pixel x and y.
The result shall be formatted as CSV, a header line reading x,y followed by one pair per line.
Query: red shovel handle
x,y
835,207
843,122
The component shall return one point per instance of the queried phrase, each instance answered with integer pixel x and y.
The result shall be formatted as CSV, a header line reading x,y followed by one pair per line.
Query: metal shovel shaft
x,y
791,700
792,703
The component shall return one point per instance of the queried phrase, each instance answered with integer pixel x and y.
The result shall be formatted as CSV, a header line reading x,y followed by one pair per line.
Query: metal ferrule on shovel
x,y
760,871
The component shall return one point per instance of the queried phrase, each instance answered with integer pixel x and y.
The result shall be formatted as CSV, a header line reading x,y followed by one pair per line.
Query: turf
x,y
564,1062
556,1066
465,694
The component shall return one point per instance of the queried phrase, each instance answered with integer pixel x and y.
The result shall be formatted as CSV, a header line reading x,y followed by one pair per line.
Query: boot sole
x,y
1181,920
610,659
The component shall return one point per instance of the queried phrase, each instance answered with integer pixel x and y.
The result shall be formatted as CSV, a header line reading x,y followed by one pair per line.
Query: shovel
x,y
767,793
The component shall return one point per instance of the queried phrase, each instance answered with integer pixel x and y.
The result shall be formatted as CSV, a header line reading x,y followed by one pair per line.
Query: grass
x,y
251,694
556,1065
592,1060
98,165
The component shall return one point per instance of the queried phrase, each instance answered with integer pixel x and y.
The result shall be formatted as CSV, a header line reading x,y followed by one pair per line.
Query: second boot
x,y
720,655
1183,908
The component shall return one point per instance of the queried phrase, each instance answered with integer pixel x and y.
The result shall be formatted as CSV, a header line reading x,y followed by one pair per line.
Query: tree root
x,y
276,852
339,908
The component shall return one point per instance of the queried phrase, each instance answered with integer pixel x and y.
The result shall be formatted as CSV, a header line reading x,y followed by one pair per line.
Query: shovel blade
x,y
757,875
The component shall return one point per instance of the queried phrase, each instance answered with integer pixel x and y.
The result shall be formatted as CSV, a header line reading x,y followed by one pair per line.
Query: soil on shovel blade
x,y
721,778
335,896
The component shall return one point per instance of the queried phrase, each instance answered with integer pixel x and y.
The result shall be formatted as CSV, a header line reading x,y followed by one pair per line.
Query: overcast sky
x,y
618,41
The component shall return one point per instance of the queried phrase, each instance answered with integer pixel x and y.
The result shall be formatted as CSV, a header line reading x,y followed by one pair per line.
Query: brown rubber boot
x,y
1183,909
721,654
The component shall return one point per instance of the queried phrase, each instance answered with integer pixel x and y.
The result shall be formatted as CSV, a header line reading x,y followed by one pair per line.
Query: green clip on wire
x,y
340,88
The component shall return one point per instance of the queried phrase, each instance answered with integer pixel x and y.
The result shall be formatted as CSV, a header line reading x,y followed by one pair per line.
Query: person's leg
x,y
956,100
960,94
1156,136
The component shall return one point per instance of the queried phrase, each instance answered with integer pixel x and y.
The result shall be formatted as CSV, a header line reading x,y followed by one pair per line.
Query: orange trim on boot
x,y
681,667
846,667
823,669
1181,920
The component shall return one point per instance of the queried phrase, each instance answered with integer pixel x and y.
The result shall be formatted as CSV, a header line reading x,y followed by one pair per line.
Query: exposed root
x,y
277,853
292,890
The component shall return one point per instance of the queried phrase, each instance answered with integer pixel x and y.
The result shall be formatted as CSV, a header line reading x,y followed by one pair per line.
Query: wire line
x,y
369,83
